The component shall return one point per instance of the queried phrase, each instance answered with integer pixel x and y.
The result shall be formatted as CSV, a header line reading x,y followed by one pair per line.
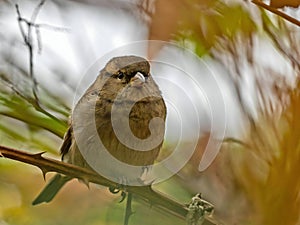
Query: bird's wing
x,y
64,149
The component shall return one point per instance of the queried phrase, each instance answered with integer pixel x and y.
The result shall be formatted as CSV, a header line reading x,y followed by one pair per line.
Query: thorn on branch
x,y
86,182
44,172
38,155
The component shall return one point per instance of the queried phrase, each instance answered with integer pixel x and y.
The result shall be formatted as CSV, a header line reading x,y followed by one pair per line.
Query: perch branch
x,y
277,12
146,193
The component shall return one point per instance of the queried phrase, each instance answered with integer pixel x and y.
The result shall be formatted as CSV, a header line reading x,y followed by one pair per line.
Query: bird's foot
x,y
121,187
116,190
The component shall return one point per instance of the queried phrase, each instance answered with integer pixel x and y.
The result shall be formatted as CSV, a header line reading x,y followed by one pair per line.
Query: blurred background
x,y
249,110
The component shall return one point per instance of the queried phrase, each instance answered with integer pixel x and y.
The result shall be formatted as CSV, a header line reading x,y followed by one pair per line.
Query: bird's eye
x,y
120,75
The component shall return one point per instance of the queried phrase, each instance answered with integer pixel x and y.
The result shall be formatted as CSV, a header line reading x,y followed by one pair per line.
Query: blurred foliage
x,y
23,125
200,24
254,179
218,22
267,167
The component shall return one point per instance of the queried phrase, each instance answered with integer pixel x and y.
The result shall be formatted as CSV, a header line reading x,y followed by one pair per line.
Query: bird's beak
x,y
138,79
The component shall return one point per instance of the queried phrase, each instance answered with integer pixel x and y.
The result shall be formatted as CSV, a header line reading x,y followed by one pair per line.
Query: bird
x,y
123,104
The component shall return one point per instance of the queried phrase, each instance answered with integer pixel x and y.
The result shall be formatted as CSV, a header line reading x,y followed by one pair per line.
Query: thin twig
x,y
36,11
236,141
52,27
128,210
20,19
277,12
40,25
46,165
32,20
28,42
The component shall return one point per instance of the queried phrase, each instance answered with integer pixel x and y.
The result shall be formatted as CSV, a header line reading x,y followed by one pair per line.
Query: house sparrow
x,y
122,106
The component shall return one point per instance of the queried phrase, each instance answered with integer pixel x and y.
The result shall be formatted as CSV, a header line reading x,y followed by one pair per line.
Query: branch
x,y
277,12
146,193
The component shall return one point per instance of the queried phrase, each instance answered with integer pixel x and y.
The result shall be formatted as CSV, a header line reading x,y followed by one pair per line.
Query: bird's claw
x,y
114,190
123,196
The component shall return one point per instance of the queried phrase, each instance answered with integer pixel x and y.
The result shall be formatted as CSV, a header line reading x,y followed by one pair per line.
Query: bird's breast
x,y
131,119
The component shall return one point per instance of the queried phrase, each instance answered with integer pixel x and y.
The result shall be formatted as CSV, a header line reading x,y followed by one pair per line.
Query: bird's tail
x,y
51,189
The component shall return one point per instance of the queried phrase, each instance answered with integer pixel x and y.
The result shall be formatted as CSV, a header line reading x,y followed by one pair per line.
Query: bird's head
x,y
129,75
128,69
